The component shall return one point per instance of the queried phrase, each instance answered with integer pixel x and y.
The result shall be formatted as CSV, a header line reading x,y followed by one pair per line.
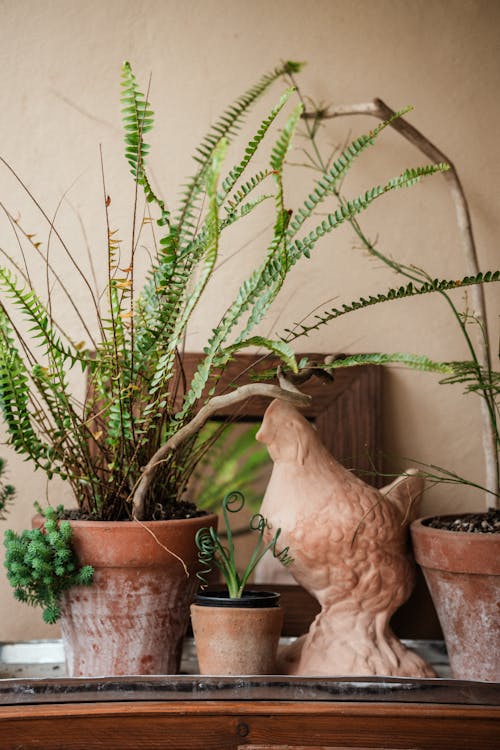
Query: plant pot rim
x,y
105,544
249,599
455,551
421,525
171,522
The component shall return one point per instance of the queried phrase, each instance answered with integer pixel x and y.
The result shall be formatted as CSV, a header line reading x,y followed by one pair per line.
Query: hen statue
x,y
349,544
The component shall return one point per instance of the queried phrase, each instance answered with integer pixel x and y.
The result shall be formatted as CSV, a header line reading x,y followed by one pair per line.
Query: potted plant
x,y
236,630
460,554
129,449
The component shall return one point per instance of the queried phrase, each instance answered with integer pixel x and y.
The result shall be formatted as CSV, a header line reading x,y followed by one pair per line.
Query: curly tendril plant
x,y
214,553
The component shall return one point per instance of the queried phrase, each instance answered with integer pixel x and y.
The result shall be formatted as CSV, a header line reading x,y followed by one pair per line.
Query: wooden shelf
x,y
260,713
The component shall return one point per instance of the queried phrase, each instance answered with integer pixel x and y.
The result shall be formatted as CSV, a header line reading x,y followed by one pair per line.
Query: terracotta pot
x,y
236,640
133,618
462,571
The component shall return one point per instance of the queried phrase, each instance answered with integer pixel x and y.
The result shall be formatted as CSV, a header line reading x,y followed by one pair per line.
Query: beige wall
x,y
59,72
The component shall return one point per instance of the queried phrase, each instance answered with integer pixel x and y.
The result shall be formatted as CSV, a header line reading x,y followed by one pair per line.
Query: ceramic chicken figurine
x,y
349,543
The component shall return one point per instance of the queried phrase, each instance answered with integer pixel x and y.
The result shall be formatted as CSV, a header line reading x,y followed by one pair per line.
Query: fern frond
x,y
241,194
182,248
211,232
409,290
253,144
247,208
251,294
280,348
36,314
137,120
15,402
413,175
412,361
278,265
348,210
225,127
329,181
474,378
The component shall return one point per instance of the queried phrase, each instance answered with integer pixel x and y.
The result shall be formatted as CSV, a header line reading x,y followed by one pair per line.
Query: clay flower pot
x,y
237,636
462,571
133,618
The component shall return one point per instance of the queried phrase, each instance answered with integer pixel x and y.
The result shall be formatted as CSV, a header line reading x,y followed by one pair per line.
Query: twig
x,y
186,571
215,404
63,245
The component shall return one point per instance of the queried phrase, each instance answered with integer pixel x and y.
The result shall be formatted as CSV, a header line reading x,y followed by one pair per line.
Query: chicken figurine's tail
x,y
405,494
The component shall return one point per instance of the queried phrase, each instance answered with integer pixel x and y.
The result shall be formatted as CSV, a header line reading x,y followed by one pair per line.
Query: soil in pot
x,y
472,523
237,636
462,570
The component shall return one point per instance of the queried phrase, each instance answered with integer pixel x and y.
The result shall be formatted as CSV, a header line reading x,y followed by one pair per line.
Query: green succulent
x,y
41,563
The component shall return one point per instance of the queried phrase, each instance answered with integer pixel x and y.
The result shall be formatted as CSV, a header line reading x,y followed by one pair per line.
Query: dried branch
x,y
287,392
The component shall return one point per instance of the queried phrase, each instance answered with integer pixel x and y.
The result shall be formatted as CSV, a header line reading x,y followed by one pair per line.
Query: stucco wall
x,y
59,73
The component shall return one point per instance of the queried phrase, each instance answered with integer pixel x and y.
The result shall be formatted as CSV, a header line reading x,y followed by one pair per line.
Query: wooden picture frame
x,y
347,411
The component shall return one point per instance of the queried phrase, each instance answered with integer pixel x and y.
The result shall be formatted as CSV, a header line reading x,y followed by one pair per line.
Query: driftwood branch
x,y
378,108
287,392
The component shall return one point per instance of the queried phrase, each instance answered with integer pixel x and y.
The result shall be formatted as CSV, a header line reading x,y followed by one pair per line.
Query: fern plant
x,y
41,564
476,374
127,451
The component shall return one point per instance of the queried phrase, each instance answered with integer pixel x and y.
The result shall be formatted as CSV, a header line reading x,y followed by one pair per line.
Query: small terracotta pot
x,y
462,571
236,640
133,618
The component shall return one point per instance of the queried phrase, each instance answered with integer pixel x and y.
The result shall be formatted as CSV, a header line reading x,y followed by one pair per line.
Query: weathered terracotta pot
x,y
133,618
462,571
236,640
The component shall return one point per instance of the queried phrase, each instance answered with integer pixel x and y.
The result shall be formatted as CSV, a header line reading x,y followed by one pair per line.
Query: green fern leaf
x,y
328,184
137,120
412,361
37,316
410,290
15,403
229,182
211,231
349,210
225,127
280,348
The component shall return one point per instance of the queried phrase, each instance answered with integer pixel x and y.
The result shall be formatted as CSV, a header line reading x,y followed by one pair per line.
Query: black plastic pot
x,y
249,599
